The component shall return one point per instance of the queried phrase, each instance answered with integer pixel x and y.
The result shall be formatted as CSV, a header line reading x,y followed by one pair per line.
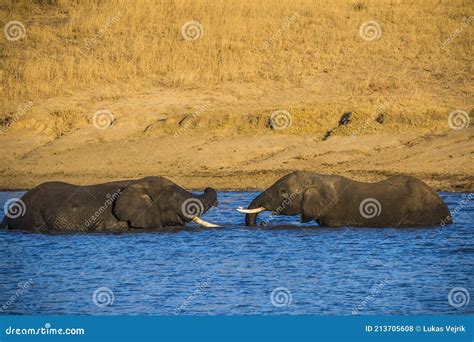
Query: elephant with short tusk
x,y
336,201
150,202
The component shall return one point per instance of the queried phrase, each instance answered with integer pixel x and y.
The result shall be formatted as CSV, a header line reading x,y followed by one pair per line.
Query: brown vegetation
x,y
306,57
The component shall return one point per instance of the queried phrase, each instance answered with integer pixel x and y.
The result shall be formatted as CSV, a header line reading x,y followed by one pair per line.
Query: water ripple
x,y
234,269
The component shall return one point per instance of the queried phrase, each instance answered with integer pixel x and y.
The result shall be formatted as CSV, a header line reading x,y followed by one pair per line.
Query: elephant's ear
x,y
135,206
315,202
309,205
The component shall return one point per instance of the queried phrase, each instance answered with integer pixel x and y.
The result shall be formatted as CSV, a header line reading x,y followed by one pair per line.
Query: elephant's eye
x,y
283,193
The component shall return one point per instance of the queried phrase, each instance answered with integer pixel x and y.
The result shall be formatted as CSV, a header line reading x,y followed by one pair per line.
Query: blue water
x,y
234,269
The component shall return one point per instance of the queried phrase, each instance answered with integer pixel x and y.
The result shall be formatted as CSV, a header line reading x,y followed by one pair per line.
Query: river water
x,y
286,268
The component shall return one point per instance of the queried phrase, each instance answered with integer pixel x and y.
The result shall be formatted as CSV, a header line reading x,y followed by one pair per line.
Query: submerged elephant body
x,y
151,202
336,201
155,202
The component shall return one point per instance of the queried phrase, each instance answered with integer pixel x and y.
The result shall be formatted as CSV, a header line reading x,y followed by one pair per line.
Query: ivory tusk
x,y
251,211
204,223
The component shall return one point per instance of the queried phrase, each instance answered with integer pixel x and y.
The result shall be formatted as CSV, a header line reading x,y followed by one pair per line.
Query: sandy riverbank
x,y
241,161
189,89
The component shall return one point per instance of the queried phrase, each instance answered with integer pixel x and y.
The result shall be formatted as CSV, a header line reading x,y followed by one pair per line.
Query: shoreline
x,y
198,182
238,162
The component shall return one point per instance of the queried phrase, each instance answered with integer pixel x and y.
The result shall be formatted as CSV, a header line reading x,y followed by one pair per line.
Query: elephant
x,y
335,201
150,202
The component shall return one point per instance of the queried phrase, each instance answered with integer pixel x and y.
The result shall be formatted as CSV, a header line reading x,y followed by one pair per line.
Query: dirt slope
x,y
222,143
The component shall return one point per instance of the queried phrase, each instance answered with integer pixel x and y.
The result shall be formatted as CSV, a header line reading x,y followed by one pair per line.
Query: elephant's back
x,y
44,192
66,207
61,191
419,202
415,187
86,208
427,203
106,190
36,203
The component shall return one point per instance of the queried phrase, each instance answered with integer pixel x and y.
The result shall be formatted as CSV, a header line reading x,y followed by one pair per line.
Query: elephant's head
x,y
156,202
282,198
304,193
193,206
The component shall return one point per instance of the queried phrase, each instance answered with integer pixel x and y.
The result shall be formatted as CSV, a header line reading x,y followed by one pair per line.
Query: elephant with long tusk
x,y
147,203
336,201
203,223
251,211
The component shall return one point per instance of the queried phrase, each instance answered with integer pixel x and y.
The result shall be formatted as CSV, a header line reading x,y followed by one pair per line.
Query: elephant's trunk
x,y
251,219
4,224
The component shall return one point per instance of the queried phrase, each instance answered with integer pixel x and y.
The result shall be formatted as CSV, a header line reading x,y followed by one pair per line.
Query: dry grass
x,y
124,47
